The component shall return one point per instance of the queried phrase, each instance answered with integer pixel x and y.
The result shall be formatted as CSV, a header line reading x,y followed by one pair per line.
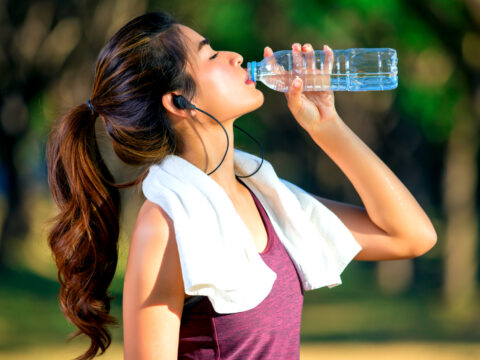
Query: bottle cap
x,y
251,66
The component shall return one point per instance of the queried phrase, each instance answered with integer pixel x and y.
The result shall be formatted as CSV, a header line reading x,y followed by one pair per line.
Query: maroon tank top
x,y
271,330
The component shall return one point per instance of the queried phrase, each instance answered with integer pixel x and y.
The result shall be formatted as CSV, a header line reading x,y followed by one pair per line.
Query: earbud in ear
x,y
181,103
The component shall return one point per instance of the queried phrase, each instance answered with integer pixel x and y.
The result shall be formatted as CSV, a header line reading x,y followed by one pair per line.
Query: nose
x,y
236,59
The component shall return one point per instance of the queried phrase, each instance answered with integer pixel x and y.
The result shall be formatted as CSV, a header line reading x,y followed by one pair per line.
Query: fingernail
x,y
297,83
296,47
307,47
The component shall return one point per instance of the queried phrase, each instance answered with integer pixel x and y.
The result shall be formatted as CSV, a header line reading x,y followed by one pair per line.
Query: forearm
x,y
387,201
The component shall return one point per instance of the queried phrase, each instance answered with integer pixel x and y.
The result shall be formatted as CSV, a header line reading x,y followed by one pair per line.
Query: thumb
x,y
295,95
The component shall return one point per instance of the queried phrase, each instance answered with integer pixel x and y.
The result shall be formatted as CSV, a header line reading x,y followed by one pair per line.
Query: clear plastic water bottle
x,y
348,70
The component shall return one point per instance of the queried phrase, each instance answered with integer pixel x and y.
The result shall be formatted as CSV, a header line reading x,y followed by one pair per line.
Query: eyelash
x,y
214,56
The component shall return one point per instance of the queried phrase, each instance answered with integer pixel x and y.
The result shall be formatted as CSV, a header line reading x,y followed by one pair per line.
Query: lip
x,y
247,80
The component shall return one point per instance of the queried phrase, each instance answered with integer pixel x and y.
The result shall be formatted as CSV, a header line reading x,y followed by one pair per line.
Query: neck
x,y
205,150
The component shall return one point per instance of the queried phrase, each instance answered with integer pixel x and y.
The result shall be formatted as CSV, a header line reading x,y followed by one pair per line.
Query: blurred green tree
x,y
425,130
47,57
456,25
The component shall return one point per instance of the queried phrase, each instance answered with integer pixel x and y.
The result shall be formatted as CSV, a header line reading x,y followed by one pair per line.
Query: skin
x,y
226,99
391,225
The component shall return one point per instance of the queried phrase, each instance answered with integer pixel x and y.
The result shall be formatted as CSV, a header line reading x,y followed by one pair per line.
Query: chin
x,y
259,100
256,104
252,105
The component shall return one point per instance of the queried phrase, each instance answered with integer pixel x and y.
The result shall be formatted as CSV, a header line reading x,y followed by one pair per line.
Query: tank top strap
x,y
271,235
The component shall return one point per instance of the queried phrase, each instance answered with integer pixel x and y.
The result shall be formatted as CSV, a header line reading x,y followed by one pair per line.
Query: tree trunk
x,y
459,190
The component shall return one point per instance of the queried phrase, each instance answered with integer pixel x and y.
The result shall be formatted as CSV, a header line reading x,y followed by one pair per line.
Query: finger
x,y
297,58
309,57
328,65
267,51
272,64
328,59
294,96
309,78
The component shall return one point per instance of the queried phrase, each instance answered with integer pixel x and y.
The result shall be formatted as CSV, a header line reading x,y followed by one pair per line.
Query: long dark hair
x,y
145,59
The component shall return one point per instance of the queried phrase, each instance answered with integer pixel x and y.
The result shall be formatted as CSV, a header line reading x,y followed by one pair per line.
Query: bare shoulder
x,y
153,249
152,222
153,293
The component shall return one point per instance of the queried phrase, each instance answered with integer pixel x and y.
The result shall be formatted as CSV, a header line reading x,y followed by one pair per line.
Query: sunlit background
x,y
426,131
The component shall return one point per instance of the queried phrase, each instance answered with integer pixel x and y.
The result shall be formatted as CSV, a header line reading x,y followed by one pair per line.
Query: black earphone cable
x,y
181,102
259,145
226,134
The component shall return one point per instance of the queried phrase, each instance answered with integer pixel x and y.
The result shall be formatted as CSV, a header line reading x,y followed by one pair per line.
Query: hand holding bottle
x,y
311,108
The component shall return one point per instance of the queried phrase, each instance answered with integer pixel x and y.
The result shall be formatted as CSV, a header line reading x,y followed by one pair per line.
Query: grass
x,y
390,351
331,351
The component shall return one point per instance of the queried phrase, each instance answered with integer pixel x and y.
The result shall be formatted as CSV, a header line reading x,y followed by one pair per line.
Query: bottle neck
x,y
252,70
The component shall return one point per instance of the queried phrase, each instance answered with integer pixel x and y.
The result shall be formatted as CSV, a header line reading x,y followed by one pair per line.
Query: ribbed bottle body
x,y
348,70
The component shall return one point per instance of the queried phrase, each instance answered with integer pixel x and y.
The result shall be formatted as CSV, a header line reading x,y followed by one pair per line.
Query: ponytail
x,y
84,237
144,60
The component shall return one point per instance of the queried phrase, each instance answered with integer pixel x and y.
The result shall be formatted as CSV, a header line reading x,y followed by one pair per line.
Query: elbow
x,y
423,242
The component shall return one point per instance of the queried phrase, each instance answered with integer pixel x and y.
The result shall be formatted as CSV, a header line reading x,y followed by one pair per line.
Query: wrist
x,y
328,130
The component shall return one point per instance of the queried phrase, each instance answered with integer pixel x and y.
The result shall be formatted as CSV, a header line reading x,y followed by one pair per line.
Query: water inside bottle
x,y
322,82
350,70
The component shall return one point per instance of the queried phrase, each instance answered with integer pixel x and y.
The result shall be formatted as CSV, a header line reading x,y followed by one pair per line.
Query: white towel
x,y
218,256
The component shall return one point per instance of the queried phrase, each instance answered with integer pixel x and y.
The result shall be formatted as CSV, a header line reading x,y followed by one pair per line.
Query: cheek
x,y
221,83
215,88
224,93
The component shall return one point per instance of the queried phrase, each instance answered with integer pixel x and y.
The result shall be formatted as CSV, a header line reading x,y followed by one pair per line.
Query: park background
x,y
426,131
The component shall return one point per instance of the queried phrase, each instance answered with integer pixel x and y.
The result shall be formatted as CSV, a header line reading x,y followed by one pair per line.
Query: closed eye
x,y
213,56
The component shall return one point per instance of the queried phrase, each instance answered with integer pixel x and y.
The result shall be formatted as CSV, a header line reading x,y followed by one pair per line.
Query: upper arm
x,y
376,243
153,293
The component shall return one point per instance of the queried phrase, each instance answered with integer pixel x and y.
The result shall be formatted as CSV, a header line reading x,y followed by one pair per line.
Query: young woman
x,y
222,250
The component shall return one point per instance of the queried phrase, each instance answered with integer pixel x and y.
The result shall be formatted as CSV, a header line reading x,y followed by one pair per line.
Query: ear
x,y
167,102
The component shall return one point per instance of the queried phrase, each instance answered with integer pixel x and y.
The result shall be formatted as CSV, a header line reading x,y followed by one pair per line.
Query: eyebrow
x,y
202,43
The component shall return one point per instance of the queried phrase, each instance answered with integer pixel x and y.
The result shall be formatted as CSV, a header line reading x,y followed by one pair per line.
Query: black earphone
x,y
181,103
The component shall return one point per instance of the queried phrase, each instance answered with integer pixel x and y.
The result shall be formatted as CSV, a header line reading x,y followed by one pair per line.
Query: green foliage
x,y
432,93
432,107
236,25
40,111
226,23
390,23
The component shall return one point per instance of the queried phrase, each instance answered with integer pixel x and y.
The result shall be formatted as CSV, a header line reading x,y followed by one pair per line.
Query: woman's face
x,y
222,89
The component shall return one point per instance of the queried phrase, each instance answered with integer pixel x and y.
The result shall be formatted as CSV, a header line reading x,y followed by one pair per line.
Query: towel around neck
x,y
218,256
